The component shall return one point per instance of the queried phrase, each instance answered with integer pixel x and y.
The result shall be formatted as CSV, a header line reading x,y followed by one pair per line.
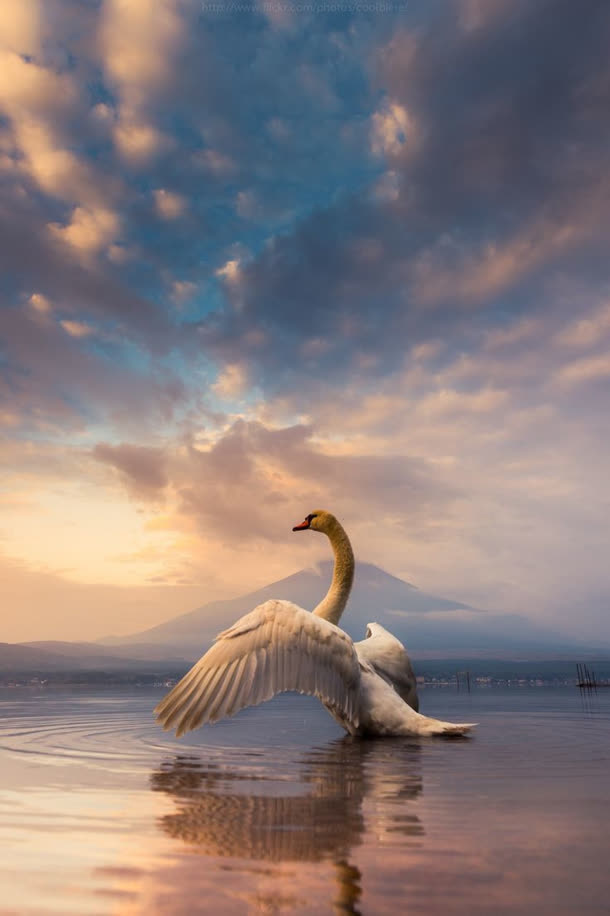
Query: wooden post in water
x,y
457,679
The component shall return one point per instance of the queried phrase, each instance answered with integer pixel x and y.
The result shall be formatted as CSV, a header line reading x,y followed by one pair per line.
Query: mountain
x,y
430,626
50,656
373,589
77,650
425,623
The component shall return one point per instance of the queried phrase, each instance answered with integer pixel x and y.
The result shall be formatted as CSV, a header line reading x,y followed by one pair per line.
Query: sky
x,y
264,258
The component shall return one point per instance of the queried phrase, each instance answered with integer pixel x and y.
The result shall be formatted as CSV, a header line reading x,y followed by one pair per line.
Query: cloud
x,y
40,104
39,262
76,328
587,331
20,27
139,43
139,40
498,195
169,205
137,140
229,271
453,403
232,382
389,267
88,230
585,370
239,482
216,162
40,303
479,14
58,214
142,467
391,128
474,275
56,373
183,290
30,88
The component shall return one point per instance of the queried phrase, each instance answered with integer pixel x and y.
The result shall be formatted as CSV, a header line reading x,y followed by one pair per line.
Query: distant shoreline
x,y
111,682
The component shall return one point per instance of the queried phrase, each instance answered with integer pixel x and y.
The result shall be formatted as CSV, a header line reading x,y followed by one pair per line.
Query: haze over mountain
x,y
429,625
425,623
53,656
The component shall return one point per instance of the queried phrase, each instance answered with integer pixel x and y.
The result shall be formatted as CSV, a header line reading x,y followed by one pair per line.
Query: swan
x,y
367,686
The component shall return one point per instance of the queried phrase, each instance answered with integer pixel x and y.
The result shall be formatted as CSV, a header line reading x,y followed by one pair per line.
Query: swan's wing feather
x,y
391,661
276,647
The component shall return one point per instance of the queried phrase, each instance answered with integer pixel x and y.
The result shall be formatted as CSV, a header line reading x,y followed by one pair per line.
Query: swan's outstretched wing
x,y
390,660
277,647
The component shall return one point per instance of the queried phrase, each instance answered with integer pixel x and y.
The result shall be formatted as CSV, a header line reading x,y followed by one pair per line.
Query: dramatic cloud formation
x,y
378,283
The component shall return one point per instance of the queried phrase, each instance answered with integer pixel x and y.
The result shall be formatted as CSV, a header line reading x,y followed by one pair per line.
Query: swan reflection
x,y
315,814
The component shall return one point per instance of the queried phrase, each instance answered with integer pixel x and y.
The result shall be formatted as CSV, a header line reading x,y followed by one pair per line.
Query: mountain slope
x,y
429,626
421,621
79,650
50,656
374,592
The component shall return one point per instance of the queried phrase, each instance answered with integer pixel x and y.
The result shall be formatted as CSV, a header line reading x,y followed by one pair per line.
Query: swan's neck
x,y
332,606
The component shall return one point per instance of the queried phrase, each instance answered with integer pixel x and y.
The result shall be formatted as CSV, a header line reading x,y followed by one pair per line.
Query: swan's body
x,y
368,686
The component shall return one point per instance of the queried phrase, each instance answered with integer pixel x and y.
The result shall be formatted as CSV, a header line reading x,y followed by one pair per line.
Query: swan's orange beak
x,y
303,526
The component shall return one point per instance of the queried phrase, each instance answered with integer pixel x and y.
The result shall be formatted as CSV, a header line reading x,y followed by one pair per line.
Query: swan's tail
x,y
427,726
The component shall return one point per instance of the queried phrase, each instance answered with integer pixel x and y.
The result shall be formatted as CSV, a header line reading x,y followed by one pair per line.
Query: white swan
x,y
368,686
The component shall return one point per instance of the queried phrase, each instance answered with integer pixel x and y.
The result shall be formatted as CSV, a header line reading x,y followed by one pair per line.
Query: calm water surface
x,y
276,812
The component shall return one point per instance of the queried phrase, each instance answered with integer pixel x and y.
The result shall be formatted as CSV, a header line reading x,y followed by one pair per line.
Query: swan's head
x,y
319,520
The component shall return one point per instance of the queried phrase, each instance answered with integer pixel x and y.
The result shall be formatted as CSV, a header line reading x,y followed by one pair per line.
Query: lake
x,y
275,811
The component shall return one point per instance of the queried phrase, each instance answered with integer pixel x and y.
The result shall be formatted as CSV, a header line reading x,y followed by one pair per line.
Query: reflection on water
x,y
228,813
246,817
223,812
